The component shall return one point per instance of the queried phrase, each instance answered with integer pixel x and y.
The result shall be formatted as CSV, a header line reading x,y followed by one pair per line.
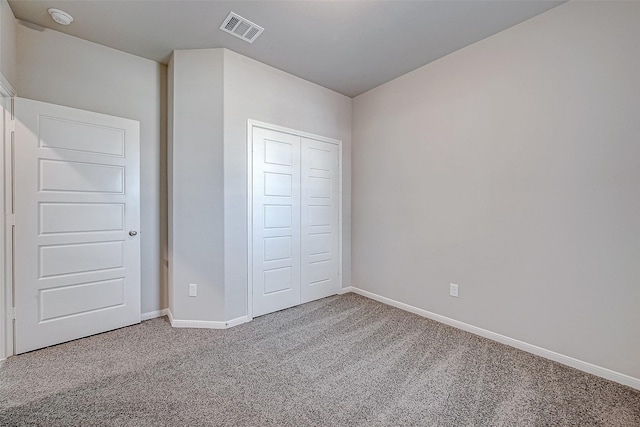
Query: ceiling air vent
x,y
242,28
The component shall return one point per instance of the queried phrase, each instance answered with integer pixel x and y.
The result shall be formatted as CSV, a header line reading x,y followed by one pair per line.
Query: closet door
x,y
320,212
276,221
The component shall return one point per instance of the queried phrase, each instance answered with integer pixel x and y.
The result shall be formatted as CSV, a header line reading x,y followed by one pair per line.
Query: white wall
x,y
208,159
169,198
196,185
61,69
511,168
8,67
253,90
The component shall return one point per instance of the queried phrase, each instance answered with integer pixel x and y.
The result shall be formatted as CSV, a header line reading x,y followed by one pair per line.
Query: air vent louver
x,y
231,23
242,28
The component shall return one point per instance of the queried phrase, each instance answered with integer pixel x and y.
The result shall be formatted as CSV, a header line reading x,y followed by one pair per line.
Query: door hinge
x,y
11,219
11,314
13,114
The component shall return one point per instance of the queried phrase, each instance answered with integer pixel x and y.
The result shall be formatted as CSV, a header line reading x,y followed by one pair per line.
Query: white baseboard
x,y
530,348
206,324
153,314
346,290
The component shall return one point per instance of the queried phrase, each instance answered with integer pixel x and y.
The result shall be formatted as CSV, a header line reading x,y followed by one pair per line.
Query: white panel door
x,y
320,211
77,247
276,221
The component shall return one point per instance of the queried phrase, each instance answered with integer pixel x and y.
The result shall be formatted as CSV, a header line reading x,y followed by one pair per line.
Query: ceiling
x,y
347,46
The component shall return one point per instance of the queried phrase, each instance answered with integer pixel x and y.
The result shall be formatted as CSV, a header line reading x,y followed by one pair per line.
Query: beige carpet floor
x,y
340,361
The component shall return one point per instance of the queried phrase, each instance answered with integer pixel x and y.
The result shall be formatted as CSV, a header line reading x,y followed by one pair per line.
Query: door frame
x,y
7,127
258,124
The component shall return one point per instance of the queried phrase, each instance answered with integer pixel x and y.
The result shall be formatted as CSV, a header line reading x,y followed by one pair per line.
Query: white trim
x,y
530,348
205,324
154,314
346,290
250,124
4,305
255,123
7,93
5,87
340,217
237,321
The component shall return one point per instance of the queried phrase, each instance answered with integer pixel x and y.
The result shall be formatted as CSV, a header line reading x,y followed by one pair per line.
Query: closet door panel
x,y
276,221
319,217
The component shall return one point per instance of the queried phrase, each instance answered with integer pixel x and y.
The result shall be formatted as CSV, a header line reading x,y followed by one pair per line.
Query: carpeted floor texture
x,y
339,361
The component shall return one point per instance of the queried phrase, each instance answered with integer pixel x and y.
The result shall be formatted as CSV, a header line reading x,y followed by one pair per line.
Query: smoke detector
x,y
236,25
60,16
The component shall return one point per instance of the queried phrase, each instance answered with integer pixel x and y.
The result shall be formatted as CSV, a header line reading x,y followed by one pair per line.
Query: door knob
x,y
133,233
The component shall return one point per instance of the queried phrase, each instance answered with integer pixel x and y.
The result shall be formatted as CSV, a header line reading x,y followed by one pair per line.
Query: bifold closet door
x,y
276,221
320,212
294,220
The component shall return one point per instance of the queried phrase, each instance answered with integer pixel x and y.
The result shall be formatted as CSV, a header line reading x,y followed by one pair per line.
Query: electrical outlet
x,y
453,290
193,290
